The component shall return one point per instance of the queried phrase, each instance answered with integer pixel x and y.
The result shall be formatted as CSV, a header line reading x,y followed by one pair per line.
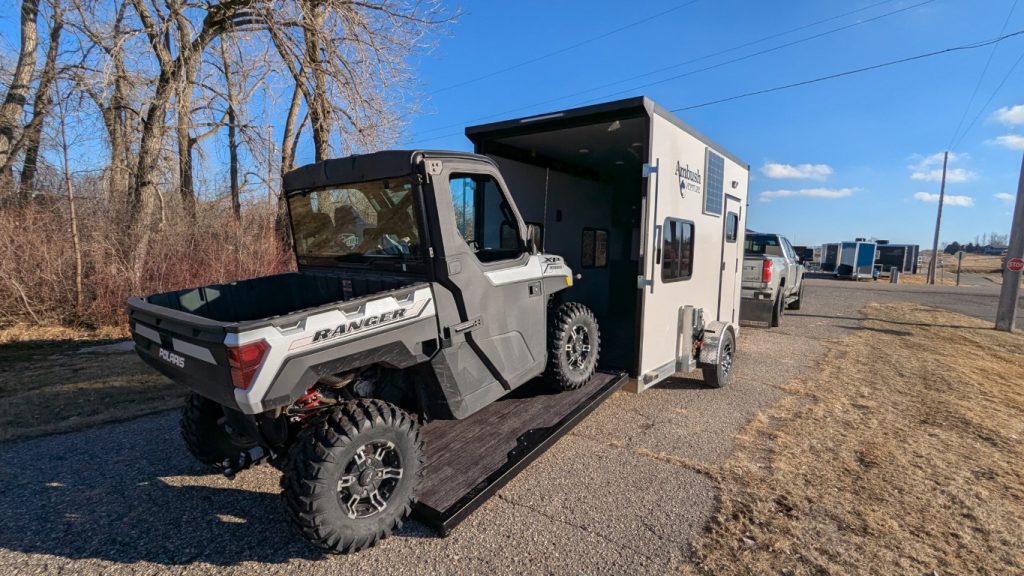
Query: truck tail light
x,y
245,361
766,272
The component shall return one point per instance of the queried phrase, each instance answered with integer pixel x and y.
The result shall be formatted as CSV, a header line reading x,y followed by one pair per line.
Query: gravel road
x,y
624,492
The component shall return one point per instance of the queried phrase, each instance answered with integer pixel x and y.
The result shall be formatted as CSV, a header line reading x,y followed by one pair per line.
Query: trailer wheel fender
x,y
714,333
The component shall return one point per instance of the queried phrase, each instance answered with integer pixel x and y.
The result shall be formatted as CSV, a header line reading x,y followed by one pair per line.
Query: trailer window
x,y
595,248
677,250
484,217
715,194
732,226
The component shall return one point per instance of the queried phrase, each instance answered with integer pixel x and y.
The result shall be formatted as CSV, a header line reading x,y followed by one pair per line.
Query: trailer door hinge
x,y
648,169
642,282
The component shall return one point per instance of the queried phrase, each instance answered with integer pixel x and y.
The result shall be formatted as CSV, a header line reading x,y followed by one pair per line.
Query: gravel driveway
x,y
624,492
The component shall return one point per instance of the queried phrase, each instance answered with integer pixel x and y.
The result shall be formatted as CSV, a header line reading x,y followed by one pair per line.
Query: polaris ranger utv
x,y
420,294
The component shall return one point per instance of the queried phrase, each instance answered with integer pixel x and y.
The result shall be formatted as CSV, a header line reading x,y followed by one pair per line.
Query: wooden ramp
x,y
469,460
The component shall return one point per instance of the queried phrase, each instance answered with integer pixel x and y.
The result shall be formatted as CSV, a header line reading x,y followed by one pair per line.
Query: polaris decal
x,y
349,327
172,358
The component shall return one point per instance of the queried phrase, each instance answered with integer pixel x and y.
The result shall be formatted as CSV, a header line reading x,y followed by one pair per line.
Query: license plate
x,y
172,358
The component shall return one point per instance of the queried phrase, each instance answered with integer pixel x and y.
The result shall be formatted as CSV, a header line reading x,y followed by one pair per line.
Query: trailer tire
x,y
339,487
205,436
795,304
574,343
779,309
720,374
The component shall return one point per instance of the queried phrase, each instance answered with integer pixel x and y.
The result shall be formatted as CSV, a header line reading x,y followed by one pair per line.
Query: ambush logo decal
x,y
349,327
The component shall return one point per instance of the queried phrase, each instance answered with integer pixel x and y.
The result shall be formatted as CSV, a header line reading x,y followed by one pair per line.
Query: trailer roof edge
x,y
554,119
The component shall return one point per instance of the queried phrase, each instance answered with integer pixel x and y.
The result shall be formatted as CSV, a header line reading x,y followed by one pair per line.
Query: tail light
x,y
766,271
245,361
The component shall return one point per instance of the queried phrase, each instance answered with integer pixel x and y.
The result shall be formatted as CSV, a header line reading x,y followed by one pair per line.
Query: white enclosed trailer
x,y
648,210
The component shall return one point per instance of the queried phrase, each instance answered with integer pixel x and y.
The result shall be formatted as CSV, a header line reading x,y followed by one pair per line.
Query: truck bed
x,y
273,296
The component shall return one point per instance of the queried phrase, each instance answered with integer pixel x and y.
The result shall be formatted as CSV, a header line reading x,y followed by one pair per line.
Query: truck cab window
x,y
677,250
484,218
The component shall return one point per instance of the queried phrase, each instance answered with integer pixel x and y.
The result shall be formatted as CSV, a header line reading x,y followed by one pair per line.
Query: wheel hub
x,y
577,347
370,478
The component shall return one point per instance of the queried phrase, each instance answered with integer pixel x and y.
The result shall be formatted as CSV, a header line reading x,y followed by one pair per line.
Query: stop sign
x,y
1015,264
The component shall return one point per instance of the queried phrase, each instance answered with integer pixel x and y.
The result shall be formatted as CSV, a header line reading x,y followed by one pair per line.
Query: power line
x,y
989,101
855,71
565,49
977,85
691,61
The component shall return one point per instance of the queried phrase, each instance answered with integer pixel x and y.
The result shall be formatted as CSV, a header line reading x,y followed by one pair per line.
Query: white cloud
x,y
1011,141
799,171
829,193
1005,197
924,163
949,200
1010,115
952,175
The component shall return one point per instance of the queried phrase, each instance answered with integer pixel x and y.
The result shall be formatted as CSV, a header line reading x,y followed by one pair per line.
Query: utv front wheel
x,y
573,346
352,476
204,432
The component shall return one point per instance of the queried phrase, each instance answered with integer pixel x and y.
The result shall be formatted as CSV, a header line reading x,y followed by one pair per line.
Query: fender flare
x,y
714,334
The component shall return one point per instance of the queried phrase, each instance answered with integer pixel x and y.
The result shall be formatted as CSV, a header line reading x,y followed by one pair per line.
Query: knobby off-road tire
x,y
204,433
721,374
574,343
795,304
352,475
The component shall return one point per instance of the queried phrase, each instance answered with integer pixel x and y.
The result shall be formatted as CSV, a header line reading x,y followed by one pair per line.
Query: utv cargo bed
x,y
469,460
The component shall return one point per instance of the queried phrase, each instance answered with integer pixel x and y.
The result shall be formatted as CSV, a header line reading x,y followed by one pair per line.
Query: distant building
x,y
991,250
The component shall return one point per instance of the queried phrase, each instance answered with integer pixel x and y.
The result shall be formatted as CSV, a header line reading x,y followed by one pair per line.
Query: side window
x,y
732,226
484,218
677,250
595,248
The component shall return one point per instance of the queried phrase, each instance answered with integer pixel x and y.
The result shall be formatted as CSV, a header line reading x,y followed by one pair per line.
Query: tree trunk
x,y
40,108
186,180
292,130
69,190
236,202
17,94
318,105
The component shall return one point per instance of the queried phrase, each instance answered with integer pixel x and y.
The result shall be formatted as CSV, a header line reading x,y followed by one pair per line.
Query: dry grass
x,y
901,455
28,333
47,386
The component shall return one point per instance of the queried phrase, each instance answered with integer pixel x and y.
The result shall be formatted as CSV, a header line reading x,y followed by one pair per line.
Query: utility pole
x,y
938,221
1006,315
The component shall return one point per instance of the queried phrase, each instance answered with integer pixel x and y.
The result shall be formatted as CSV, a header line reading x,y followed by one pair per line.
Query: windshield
x,y
357,222
758,245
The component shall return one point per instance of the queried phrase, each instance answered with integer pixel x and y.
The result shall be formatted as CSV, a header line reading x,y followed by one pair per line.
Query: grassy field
x,y
901,455
48,385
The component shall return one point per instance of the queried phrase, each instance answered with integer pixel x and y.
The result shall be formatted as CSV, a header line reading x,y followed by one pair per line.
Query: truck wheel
x,y
779,308
352,475
204,433
574,342
721,374
795,304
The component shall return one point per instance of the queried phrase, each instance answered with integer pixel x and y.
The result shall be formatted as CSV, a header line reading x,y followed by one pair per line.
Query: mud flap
x,y
756,312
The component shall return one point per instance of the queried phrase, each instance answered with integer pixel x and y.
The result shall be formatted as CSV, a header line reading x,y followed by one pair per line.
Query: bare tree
x,y
32,133
14,102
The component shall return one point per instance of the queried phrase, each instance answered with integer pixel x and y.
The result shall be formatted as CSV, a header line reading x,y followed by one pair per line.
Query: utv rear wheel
x,y
352,475
204,432
719,375
574,343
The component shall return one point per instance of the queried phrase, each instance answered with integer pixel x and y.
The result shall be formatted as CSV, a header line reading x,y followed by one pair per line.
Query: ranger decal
x,y
353,326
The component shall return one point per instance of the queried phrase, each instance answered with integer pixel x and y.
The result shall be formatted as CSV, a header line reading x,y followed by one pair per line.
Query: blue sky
x,y
830,161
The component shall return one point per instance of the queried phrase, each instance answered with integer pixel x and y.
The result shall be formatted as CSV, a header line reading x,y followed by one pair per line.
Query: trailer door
x,y
732,255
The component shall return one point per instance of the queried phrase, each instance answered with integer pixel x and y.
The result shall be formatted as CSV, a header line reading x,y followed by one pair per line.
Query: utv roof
x,y
364,167
608,111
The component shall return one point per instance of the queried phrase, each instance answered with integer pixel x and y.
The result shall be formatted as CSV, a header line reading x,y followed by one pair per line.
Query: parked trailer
x,y
829,257
648,210
903,257
856,260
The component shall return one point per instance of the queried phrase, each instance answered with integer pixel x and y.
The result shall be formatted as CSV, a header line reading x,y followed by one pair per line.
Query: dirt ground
x,y
53,383
919,471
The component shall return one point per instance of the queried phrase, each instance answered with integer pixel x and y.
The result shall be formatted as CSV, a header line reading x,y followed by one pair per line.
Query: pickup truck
x,y
772,281
404,309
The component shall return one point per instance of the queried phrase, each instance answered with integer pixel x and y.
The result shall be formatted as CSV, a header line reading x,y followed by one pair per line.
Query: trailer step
x,y
469,460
